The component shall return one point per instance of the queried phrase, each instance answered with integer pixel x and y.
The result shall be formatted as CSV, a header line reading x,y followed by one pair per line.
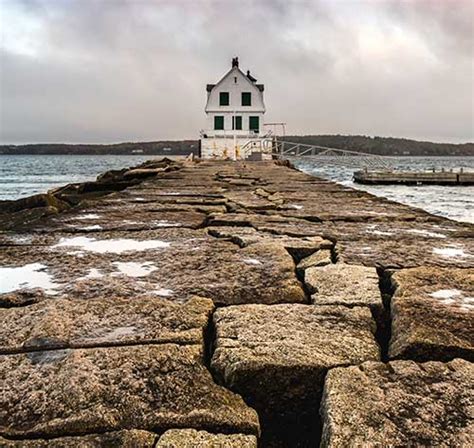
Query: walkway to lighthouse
x,y
216,303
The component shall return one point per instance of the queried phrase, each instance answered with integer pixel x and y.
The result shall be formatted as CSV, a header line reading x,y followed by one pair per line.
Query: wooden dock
x,y
414,178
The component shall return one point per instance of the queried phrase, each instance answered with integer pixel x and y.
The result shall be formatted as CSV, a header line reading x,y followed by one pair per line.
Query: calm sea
x,y
22,176
453,202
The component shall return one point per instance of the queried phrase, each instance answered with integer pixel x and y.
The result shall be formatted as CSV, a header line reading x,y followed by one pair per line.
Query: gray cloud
x,y
115,70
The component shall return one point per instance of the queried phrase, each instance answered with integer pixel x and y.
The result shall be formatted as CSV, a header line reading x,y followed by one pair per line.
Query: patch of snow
x,y
94,227
448,301
426,233
118,333
165,223
448,229
379,232
77,253
20,239
449,252
454,296
89,216
29,276
117,246
93,273
446,293
467,307
132,269
252,261
163,292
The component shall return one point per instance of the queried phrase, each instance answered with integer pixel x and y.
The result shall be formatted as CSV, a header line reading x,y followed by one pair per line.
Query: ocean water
x,y
22,176
452,202
25,175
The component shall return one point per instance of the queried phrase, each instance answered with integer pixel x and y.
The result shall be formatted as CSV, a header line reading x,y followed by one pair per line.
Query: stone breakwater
x,y
224,304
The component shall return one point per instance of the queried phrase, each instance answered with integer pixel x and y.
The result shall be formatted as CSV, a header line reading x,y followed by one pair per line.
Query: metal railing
x,y
334,156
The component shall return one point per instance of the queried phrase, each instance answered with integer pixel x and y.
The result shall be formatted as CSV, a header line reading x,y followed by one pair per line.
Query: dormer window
x,y
223,98
246,98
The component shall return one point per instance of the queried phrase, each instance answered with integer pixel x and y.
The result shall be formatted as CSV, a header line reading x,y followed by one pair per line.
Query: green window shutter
x,y
218,122
223,98
246,98
254,124
237,123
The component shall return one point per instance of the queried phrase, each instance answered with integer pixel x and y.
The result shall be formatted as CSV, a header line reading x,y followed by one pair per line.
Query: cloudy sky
x,y
129,70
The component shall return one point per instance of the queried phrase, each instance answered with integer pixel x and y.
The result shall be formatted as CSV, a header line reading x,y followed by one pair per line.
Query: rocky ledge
x,y
231,304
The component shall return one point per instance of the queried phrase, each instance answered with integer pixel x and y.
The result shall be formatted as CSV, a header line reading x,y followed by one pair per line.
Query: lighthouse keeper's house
x,y
235,110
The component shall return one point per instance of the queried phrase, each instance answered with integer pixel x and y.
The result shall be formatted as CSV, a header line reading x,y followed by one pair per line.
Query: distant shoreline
x,y
386,146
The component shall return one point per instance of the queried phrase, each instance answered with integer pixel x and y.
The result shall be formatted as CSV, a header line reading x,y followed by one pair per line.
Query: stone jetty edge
x,y
285,277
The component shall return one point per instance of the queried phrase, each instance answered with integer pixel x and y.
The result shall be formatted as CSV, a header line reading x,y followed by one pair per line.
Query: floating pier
x,y
207,303
414,178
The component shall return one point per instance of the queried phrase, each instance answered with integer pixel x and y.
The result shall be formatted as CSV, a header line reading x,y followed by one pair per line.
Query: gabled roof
x,y
235,65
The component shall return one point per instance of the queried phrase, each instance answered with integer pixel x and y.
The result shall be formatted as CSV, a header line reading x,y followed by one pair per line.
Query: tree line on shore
x,y
388,146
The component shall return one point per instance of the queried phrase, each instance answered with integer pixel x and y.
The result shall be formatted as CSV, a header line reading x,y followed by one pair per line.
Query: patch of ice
x,y
133,269
426,233
29,276
449,252
117,246
163,292
89,216
446,293
253,261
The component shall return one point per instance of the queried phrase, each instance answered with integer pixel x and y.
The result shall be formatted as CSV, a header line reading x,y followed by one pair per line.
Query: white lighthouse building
x,y
234,111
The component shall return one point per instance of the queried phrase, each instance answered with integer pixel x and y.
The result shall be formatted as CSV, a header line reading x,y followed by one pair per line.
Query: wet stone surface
x,y
401,403
433,314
